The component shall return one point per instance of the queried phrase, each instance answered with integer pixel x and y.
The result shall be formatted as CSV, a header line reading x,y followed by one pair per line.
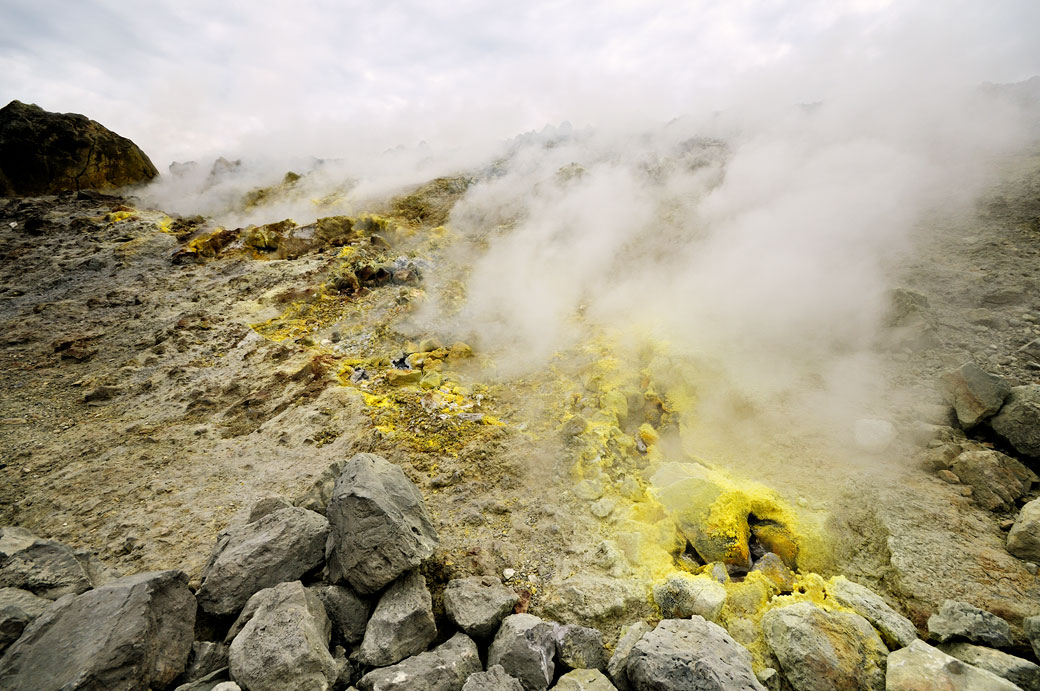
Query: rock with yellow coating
x,y
920,667
684,595
821,650
403,377
896,630
776,571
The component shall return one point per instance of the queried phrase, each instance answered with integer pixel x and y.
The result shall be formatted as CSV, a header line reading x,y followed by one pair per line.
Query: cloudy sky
x,y
186,79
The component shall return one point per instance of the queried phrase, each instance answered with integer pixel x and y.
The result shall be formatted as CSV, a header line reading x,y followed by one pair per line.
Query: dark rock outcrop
x,y
1019,420
402,623
525,648
134,633
45,153
445,668
478,605
45,567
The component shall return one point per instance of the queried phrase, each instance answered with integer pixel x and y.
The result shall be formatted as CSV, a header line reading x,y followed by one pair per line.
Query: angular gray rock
x,y
445,668
133,633
45,567
580,647
1014,669
584,680
689,654
920,667
524,646
284,645
227,686
1031,626
279,547
17,608
402,623
478,605
206,657
1019,420
961,620
630,635
684,595
265,506
1023,539
996,480
494,679
348,612
820,650
380,526
896,630
974,394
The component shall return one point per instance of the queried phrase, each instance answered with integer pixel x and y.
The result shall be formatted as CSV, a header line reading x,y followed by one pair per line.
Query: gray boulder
x,y
133,633
284,644
380,527
1023,539
961,620
45,567
524,646
820,650
689,655
227,686
974,394
584,680
17,608
1019,420
348,612
996,480
402,623
1014,669
920,667
265,506
684,595
445,668
1031,626
277,548
630,635
478,605
896,630
206,657
580,647
494,679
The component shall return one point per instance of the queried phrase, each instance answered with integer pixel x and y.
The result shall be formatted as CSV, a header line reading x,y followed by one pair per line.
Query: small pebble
x,y
508,573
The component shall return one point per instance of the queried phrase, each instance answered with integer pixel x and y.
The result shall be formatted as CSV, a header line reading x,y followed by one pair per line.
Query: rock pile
x,y
296,600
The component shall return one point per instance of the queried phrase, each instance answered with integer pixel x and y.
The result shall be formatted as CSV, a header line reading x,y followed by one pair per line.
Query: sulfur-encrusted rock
x,y
494,679
45,567
961,620
820,650
402,623
348,612
445,668
630,635
1023,539
683,595
974,394
920,667
1014,669
524,646
277,548
776,572
1019,420
380,527
478,605
896,630
283,644
45,153
584,680
683,654
134,633
580,647
996,480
